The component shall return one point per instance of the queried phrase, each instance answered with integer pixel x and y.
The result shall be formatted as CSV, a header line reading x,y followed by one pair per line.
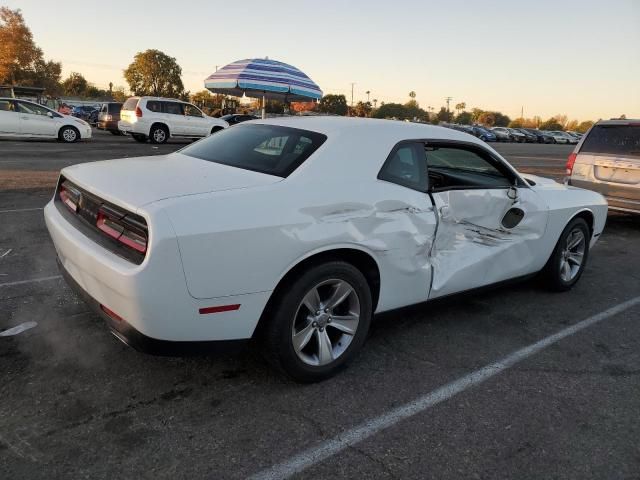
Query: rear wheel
x,y
69,134
159,134
319,322
569,258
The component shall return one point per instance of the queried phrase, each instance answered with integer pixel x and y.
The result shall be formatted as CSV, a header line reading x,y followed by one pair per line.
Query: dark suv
x,y
109,116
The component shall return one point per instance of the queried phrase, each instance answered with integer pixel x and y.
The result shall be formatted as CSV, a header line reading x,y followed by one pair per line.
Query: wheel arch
x,y
588,217
359,258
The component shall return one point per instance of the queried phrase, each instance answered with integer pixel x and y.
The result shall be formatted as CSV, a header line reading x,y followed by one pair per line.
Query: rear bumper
x,y
152,297
127,334
112,125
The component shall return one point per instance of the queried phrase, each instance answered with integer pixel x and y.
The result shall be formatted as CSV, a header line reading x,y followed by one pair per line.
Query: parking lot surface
x,y
76,403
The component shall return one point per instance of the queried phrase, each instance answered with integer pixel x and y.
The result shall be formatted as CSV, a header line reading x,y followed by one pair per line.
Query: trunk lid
x,y
135,182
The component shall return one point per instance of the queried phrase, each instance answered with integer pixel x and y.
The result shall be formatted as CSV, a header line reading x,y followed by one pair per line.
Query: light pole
x,y
352,84
448,99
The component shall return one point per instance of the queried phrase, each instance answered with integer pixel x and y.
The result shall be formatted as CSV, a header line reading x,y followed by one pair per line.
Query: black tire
x,y
552,272
158,134
68,134
216,130
139,137
285,308
115,132
483,138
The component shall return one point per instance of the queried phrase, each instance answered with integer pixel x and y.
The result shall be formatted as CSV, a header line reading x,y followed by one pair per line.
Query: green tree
x,y
21,61
517,123
487,118
75,85
155,73
334,104
442,115
391,110
464,118
460,107
362,109
584,126
551,124
501,120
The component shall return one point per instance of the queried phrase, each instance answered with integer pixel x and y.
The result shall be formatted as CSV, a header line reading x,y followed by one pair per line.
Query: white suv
x,y
158,119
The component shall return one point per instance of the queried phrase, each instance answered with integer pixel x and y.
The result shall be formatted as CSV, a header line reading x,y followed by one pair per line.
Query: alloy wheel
x,y
572,255
326,322
69,135
159,136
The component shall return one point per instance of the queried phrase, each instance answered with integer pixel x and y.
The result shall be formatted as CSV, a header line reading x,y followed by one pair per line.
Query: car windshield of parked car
x,y
270,149
613,139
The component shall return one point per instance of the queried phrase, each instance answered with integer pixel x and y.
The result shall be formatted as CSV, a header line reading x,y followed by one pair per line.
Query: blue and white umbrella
x,y
263,78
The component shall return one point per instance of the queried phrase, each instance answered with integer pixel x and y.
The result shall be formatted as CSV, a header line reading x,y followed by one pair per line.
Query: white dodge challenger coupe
x,y
296,230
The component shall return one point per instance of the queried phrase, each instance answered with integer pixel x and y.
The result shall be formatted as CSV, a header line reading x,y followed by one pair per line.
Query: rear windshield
x,y
115,107
130,104
613,139
269,149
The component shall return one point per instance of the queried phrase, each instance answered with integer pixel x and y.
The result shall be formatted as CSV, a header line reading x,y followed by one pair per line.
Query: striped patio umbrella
x,y
263,78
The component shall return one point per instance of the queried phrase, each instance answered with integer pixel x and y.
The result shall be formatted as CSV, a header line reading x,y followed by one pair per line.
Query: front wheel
x,y
69,134
569,258
318,323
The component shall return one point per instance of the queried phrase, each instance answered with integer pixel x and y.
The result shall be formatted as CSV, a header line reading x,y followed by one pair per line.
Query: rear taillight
x,y
111,313
138,112
126,230
570,161
69,197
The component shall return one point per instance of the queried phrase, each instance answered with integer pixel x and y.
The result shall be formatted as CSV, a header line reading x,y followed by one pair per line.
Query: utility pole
x,y
352,84
448,99
522,111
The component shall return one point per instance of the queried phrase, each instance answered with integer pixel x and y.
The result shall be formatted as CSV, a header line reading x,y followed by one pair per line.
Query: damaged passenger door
x,y
489,220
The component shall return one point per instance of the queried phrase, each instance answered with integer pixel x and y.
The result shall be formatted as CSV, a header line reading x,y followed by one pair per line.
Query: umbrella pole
x,y
264,107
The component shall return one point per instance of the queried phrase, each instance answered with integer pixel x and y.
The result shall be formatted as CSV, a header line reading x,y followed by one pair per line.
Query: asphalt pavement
x,y
76,403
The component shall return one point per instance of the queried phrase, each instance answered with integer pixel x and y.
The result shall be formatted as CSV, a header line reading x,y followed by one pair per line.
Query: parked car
x,y
562,137
541,136
85,112
529,137
21,118
607,161
577,135
158,119
502,134
516,135
258,231
483,134
235,118
109,117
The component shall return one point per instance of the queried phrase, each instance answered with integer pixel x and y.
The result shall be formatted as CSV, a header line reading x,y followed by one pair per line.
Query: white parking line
x,y
370,427
33,280
22,210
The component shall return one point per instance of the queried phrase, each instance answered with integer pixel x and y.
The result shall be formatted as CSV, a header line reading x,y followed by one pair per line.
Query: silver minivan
x,y
607,160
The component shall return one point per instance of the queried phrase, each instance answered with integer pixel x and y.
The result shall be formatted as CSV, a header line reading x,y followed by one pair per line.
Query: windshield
x,y
269,149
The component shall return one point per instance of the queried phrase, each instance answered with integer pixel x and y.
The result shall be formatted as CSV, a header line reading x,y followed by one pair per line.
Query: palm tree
x,y
375,102
412,94
367,92
460,107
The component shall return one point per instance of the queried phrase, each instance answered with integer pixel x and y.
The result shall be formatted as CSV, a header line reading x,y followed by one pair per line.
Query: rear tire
x,y
159,134
569,257
310,346
69,134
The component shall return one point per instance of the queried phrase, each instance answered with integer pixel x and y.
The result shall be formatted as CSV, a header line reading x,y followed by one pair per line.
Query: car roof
x,y
329,125
619,121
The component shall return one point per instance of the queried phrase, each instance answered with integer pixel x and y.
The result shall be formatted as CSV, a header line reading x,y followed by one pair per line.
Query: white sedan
x,y
24,119
297,230
563,137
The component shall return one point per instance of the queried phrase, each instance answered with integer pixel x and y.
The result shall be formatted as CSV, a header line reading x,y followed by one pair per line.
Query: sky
x,y
575,57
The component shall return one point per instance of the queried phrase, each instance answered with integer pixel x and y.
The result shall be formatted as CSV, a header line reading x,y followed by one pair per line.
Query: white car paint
x,y
221,235
23,121
192,123
563,137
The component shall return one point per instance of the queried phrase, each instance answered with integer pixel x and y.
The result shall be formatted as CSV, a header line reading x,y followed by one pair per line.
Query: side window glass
x,y
31,109
192,111
6,106
406,166
154,106
456,168
173,108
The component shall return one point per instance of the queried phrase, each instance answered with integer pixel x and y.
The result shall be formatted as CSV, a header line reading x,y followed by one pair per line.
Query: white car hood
x,y
135,182
543,182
